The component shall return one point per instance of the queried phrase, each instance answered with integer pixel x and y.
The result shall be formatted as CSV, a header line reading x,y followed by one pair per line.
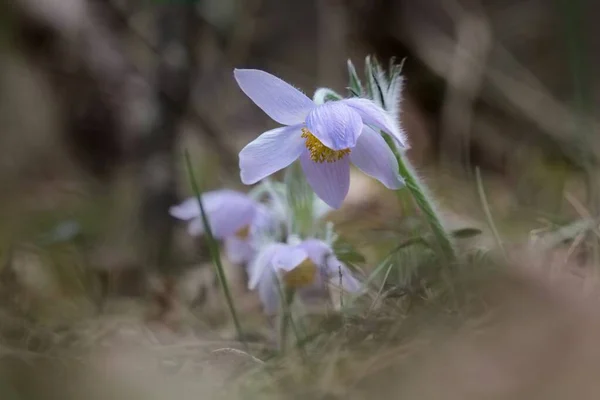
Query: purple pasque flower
x,y
326,138
234,217
307,268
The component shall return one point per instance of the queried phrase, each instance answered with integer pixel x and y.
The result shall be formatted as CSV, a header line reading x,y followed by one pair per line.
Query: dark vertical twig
x,y
175,31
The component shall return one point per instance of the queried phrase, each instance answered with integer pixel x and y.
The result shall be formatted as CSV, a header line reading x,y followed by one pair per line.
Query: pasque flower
x,y
306,267
234,217
326,138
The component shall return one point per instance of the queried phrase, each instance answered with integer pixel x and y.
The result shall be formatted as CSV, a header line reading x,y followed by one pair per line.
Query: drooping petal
x,y
238,250
269,153
374,115
268,292
375,158
227,212
317,250
331,268
336,125
262,264
186,210
340,275
330,181
289,257
195,227
278,99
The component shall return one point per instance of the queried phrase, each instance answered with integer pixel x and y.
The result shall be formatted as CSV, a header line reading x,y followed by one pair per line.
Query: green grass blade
x,y
488,213
214,251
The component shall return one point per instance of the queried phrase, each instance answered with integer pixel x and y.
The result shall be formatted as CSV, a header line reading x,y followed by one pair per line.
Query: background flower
x,y
307,267
234,217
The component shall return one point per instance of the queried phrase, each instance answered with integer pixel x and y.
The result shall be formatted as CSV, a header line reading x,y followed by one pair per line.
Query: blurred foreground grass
x,y
512,332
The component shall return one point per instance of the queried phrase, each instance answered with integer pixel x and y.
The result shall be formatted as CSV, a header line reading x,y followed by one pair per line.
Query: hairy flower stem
x,y
425,203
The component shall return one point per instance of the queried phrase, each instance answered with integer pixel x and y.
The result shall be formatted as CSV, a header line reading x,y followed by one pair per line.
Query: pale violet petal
x,y
214,198
237,250
264,225
336,125
264,220
195,227
186,210
340,275
374,115
317,250
269,153
268,293
289,257
330,181
278,99
262,265
375,158
227,211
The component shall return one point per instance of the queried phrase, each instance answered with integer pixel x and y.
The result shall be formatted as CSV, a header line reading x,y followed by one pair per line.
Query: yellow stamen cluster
x,y
243,232
303,275
319,152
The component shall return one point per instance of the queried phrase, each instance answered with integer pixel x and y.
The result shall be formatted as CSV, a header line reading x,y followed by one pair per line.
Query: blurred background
x,y
99,99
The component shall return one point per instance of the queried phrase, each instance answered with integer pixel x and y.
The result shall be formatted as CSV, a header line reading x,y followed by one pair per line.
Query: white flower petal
x,y
278,99
269,153
375,158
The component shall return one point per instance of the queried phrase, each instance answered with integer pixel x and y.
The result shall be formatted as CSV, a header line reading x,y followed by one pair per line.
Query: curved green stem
x,y
425,203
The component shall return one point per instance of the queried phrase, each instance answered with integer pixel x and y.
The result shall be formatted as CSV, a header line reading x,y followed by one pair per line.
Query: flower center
x,y
303,275
320,153
243,232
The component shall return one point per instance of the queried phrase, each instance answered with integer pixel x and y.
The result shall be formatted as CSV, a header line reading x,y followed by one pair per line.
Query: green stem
x,y
285,317
420,195
214,251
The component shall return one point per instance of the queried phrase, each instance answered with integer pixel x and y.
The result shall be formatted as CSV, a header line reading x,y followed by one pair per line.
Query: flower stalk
x,y
214,252
285,317
419,193
385,89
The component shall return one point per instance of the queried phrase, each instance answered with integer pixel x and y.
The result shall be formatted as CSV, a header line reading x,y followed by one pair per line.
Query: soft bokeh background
x,y
99,98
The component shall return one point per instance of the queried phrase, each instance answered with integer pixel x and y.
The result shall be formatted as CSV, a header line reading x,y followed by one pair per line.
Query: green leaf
x,y
323,95
300,198
355,87
370,81
374,75
346,253
568,232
